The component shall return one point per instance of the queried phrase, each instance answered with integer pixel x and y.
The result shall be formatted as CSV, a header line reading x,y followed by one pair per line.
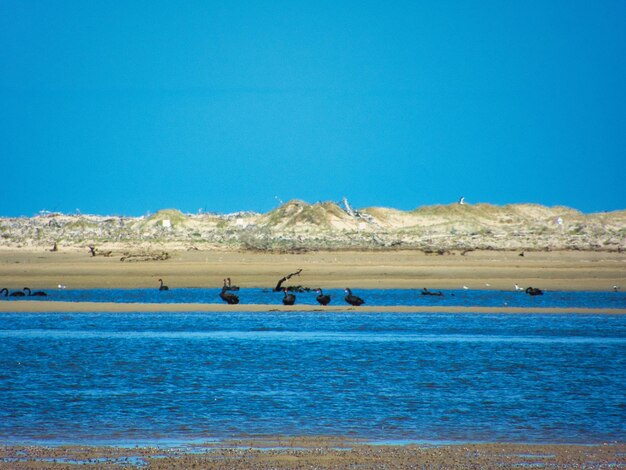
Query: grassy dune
x,y
300,226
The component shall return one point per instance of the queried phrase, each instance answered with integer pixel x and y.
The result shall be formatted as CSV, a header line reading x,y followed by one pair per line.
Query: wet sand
x,y
319,453
113,307
75,268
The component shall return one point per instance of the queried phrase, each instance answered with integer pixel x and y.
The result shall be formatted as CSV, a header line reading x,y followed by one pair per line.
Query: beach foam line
x,y
30,306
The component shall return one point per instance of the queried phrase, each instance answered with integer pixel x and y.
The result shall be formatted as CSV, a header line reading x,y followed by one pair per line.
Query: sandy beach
x,y
549,270
484,270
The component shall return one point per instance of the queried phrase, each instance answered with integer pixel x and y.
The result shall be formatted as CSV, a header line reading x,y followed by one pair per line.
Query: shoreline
x,y
46,306
315,452
478,270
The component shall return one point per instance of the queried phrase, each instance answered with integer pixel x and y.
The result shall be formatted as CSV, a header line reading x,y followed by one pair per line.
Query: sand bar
x,y
115,307
499,270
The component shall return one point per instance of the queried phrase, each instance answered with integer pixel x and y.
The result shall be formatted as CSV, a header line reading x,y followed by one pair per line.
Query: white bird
x,y
487,284
518,288
465,287
462,200
62,286
615,288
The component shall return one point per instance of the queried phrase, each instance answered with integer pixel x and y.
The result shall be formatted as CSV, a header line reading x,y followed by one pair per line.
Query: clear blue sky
x,y
125,107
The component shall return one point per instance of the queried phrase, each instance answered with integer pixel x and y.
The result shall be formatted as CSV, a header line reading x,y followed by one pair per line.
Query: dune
x,y
442,246
300,226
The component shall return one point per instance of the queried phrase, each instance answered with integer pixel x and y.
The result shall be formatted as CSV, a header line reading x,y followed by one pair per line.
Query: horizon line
x,y
201,211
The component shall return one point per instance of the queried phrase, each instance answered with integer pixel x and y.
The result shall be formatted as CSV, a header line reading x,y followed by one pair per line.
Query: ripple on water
x,y
421,377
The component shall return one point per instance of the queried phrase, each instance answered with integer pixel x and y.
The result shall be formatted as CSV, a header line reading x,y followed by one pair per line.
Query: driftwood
x,y
351,212
279,287
95,252
134,257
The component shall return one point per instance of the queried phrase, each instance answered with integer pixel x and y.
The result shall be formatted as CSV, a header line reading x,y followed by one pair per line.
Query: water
x,y
384,297
128,378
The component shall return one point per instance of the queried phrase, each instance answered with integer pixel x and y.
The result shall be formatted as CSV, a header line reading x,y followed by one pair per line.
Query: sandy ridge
x,y
115,307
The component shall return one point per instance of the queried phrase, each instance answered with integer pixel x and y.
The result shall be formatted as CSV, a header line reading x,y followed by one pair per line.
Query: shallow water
x,y
137,377
383,297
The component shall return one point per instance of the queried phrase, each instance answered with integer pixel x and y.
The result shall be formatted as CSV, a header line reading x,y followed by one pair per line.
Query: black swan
x,y
162,287
533,291
227,296
353,299
37,293
231,287
17,293
427,292
321,298
4,291
288,299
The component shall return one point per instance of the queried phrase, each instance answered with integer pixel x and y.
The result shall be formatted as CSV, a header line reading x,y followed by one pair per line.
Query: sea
x,y
382,377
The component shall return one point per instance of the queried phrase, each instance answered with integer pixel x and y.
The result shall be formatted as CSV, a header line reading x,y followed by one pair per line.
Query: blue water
x,y
137,377
385,297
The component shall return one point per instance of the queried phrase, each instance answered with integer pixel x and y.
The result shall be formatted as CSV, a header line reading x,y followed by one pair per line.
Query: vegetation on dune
x,y
295,213
173,215
298,226
489,211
